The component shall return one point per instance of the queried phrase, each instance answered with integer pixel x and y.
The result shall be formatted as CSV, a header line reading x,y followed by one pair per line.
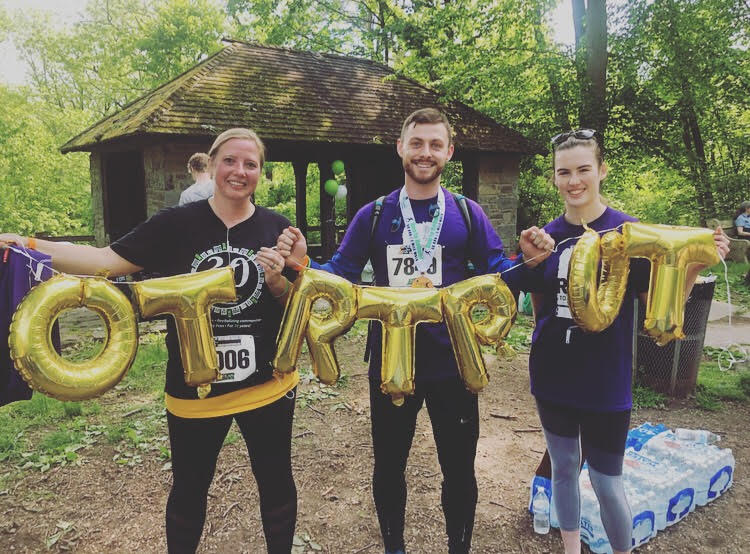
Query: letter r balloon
x,y
321,307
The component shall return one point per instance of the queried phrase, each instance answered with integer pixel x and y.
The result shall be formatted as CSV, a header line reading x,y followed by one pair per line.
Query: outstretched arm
x,y
78,259
292,245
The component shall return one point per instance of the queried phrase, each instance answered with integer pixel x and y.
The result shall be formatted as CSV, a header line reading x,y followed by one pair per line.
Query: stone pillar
x,y
498,194
154,165
166,173
96,169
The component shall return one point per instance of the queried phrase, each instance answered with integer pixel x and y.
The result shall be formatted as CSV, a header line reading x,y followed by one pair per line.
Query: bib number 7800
x,y
408,267
402,267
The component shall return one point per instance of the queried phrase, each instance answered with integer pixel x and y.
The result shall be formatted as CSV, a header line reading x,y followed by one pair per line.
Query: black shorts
x,y
603,434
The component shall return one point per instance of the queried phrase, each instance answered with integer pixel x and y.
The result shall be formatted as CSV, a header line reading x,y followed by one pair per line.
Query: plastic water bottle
x,y
540,507
700,436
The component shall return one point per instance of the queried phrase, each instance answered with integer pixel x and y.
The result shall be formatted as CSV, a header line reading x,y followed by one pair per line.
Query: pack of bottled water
x,y
666,475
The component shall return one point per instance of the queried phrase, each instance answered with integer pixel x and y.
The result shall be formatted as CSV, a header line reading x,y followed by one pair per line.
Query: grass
x,y
644,397
43,432
715,386
519,336
738,289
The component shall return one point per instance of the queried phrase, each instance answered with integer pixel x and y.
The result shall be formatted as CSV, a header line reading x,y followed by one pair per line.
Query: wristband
x,y
286,289
31,243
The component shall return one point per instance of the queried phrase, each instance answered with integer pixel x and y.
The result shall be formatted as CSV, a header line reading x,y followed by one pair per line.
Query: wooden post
x,y
470,181
300,191
327,213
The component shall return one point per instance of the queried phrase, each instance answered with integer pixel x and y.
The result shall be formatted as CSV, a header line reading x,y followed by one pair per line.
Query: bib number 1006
x,y
234,359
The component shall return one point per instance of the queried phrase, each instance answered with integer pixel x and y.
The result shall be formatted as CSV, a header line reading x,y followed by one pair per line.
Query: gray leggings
x,y
569,431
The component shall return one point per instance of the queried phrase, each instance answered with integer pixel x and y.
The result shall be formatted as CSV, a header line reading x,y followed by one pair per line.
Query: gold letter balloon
x,y
399,311
463,301
31,345
595,302
671,249
321,307
189,298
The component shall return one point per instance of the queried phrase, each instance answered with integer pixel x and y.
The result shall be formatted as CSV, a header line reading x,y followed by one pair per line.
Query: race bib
x,y
402,269
236,357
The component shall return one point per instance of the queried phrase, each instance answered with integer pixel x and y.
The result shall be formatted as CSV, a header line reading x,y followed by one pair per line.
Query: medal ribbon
x,y
423,253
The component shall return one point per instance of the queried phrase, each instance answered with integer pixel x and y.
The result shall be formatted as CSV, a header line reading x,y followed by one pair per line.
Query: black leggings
x,y
195,447
454,413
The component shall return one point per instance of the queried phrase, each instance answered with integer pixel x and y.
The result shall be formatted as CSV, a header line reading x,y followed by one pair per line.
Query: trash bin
x,y
673,369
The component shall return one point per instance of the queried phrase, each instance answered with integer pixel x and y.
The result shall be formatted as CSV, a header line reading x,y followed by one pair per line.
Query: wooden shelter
x,y
308,107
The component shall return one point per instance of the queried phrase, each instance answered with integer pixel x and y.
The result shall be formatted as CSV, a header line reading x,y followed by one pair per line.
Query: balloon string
x,y
25,253
729,296
525,261
725,352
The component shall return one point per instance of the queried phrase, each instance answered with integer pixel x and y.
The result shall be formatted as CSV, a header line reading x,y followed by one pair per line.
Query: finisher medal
x,y
422,282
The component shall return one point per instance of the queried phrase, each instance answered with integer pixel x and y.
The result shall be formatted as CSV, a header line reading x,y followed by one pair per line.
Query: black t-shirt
x,y
190,238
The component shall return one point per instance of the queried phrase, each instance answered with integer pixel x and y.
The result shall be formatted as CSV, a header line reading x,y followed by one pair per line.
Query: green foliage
x,y
707,399
644,397
120,50
716,386
744,383
148,370
519,336
738,288
40,189
679,81
651,191
678,131
724,385
43,432
176,36
539,201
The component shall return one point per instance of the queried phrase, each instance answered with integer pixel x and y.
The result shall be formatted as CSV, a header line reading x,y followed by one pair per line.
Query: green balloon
x,y
331,186
338,167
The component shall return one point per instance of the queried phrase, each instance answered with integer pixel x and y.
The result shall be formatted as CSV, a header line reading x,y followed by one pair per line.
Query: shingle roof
x,y
293,95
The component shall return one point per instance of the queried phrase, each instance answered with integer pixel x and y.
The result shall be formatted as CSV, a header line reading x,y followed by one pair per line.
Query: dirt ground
x,y
103,507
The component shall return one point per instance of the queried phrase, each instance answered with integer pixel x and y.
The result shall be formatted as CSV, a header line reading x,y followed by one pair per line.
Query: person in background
x,y
203,187
742,220
582,381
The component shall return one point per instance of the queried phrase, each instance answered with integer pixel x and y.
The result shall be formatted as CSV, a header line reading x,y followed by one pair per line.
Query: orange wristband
x,y
31,243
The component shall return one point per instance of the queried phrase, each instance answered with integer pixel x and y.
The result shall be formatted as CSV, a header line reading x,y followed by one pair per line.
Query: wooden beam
x,y
327,213
470,181
300,191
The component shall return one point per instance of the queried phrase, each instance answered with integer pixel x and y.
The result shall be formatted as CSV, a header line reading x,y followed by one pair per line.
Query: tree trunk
x,y
590,23
559,106
696,154
595,104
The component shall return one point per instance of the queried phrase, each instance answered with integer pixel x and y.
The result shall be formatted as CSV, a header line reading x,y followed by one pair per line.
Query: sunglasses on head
x,y
578,133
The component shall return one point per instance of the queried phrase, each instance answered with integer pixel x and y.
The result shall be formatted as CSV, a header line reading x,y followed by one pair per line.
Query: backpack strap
x,y
463,207
377,209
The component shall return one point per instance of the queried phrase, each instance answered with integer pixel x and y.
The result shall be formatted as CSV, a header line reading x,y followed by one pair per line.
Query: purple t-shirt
x,y
569,367
18,274
434,358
